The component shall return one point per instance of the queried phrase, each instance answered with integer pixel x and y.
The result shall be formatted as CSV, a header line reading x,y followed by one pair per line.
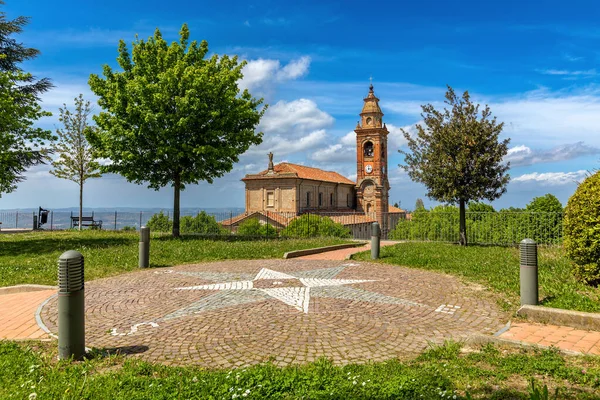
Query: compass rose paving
x,y
238,313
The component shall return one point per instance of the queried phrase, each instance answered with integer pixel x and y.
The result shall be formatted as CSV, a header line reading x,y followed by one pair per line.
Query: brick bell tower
x,y
372,186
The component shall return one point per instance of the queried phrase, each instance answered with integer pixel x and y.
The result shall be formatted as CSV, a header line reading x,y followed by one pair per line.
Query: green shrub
x,y
582,230
128,228
312,225
253,227
202,223
160,223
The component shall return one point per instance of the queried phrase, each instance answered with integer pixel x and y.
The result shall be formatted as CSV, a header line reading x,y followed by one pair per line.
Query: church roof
x,y
393,209
371,104
289,170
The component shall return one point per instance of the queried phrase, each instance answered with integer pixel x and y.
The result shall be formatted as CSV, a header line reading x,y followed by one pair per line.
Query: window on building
x,y
270,199
368,149
348,199
307,199
320,199
331,199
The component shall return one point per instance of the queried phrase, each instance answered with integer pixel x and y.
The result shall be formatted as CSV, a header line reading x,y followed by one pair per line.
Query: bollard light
x,y
375,240
529,272
144,247
71,312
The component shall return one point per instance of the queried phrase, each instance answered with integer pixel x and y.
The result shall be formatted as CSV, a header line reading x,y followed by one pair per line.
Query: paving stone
x,y
350,312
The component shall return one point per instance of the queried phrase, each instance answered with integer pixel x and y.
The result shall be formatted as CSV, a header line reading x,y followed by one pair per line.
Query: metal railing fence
x,y
497,228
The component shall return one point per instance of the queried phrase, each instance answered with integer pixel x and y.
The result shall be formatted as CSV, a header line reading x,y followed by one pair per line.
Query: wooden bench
x,y
85,221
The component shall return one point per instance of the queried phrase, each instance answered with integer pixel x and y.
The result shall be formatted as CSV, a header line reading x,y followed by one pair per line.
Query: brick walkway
x,y
17,315
344,254
563,337
237,313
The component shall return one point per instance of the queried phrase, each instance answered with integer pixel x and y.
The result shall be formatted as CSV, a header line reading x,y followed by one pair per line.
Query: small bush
x,y
128,228
582,230
312,225
253,227
160,223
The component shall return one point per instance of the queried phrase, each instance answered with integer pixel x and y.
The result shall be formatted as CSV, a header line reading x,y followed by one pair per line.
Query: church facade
x,y
283,191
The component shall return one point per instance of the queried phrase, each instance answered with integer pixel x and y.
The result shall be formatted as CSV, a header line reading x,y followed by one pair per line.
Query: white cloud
x,y
396,138
290,127
589,72
262,74
298,115
547,118
523,155
552,178
349,139
335,153
284,146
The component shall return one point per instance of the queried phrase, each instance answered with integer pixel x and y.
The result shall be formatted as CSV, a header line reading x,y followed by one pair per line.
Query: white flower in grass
x,y
33,396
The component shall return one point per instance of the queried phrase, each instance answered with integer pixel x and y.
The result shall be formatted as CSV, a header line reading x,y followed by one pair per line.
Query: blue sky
x,y
534,63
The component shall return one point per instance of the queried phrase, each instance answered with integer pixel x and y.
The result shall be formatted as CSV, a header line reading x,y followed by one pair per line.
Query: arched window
x,y
368,207
382,150
368,149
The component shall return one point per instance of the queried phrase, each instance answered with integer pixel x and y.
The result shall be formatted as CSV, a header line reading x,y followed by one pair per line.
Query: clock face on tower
x,y
368,168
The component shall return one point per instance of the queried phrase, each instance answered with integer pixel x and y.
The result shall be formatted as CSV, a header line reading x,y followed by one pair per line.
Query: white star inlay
x,y
295,296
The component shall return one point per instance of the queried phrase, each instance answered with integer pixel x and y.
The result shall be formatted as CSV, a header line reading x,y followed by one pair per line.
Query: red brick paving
x,y
563,337
17,315
344,254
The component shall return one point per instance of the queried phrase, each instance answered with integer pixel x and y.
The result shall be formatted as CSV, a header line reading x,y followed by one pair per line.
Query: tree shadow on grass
x,y
105,352
40,246
218,238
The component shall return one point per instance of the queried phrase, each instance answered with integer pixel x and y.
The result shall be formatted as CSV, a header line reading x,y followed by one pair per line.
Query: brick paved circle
x,y
237,313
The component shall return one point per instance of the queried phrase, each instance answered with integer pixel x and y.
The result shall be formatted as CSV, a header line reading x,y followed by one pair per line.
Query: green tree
x,y
457,154
172,117
545,215
76,161
419,205
21,144
547,203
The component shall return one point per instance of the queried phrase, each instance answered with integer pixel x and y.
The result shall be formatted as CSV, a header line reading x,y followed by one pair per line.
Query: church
x,y
284,191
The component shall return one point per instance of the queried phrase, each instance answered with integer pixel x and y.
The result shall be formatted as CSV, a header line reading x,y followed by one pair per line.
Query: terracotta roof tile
x,y
289,170
274,216
393,209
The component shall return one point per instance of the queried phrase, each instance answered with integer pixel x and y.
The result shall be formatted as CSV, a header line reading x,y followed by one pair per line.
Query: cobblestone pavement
x,y
563,337
238,313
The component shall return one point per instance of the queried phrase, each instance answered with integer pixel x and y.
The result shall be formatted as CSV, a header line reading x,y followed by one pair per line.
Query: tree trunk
x,y
177,192
462,223
80,203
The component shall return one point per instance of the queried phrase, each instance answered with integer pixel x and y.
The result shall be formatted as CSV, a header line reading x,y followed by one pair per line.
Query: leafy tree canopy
x,y
480,207
457,155
172,117
21,143
546,203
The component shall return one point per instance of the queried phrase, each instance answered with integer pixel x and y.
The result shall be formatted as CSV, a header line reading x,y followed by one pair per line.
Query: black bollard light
x,y
529,272
71,312
144,247
375,240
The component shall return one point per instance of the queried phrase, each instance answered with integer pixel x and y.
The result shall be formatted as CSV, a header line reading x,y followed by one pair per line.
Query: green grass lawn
x,y
446,372
32,257
498,269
